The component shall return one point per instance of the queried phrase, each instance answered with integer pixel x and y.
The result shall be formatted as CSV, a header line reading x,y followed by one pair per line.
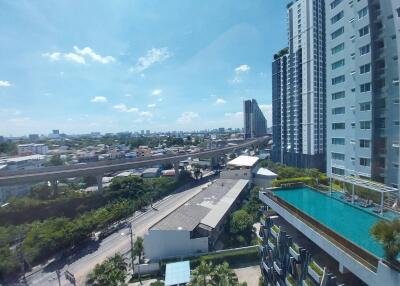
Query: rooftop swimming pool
x,y
348,221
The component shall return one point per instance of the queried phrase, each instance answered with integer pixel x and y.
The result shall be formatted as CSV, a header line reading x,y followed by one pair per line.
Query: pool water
x,y
348,221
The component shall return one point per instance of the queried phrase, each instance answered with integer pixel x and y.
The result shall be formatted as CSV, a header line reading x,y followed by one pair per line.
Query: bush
x,y
306,180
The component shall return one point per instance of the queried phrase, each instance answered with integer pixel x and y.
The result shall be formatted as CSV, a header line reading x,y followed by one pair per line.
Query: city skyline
x,y
79,76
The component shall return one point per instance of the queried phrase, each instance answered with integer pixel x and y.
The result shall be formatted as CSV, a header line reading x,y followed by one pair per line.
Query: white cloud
x,y
146,114
151,105
5,83
123,108
74,58
242,69
95,57
156,92
79,56
99,99
187,117
267,110
234,115
220,101
127,95
153,56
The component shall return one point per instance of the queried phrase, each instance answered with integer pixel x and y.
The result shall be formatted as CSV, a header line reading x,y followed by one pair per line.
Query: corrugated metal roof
x,y
217,213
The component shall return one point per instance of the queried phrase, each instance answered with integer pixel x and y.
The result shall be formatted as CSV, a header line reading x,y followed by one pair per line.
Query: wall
x,y
172,243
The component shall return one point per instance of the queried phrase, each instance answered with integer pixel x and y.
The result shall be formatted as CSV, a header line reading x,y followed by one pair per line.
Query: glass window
x,y
365,106
338,110
364,143
365,125
363,12
337,17
365,162
338,141
365,87
337,156
338,95
338,79
364,31
365,68
337,48
364,50
337,33
335,3
338,125
337,171
338,64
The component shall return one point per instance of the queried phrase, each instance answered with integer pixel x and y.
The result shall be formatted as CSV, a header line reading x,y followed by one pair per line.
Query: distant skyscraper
x,y
255,124
56,132
304,112
363,65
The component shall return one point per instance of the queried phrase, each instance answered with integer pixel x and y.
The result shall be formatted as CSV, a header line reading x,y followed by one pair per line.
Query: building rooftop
x,y
206,203
265,172
244,161
177,273
24,158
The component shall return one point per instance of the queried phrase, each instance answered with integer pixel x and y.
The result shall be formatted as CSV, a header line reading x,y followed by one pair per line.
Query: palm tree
x,y
138,248
111,272
222,275
388,233
201,273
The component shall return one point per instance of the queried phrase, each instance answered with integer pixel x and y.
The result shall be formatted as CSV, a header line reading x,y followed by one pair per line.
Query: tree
x,y
41,192
220,275
388,233
241,222
111,272
138,248
232,156
200,274
223,275
55,160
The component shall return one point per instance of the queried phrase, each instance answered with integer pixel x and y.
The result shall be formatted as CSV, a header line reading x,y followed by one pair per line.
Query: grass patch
x,y
295,247
290,279
314,266
275,228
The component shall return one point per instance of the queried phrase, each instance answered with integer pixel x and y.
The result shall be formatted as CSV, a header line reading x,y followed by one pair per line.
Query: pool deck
x,y
365,265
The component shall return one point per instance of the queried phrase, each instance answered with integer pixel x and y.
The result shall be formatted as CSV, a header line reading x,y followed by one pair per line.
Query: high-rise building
x,y
304,129
255,124
363,46
279,105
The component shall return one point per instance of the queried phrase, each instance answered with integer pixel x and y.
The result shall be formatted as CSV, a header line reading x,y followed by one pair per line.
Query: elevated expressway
x,y
100,168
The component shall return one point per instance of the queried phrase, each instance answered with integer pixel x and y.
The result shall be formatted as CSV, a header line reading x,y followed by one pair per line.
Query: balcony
x,y
274,231
277,268
315,271
294,250
272,243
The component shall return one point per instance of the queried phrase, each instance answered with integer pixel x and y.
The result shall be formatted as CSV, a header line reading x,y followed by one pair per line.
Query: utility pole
x,y
58,272
132,257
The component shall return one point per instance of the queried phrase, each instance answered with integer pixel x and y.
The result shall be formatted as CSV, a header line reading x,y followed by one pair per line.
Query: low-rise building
x,y
30,149
196,225
151,173
143,151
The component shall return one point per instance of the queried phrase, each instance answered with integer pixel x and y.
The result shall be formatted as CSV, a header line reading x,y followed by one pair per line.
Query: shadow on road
x,y
72,255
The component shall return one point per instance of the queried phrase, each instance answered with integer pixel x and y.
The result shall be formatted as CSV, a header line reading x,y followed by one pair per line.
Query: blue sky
x,y
110,66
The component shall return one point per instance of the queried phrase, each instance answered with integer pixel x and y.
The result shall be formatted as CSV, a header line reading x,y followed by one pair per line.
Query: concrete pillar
x,y
99,179
352,194
176,168
381,203
343,269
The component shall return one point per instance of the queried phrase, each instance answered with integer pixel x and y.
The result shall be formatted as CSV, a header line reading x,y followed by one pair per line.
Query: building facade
x,y
255,124
363,43
302,117
29,149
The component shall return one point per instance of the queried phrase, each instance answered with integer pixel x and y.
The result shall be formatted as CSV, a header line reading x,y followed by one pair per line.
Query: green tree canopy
x,y
241,222
388,233
111,272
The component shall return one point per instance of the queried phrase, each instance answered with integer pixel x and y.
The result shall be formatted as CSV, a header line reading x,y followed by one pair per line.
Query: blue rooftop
x,y
177,273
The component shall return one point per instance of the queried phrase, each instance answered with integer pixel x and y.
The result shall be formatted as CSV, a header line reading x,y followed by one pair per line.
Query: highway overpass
x,y
100,168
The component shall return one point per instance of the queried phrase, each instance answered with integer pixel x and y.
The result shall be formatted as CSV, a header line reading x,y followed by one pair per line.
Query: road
x,y
89,256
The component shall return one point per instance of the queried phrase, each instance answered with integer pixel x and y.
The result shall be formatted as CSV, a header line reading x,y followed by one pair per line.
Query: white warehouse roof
x,y
266,172
244,161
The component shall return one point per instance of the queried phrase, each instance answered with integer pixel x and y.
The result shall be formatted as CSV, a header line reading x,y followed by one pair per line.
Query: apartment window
x,y
365,87
338,64
337,33
338,125
365,106
337,156
337,48
398,12
337,171
338,110
364,50
364,143
335,3
338,95
337,17
363,12
365,68
338,79
365,125
338,141
365,162
363,31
